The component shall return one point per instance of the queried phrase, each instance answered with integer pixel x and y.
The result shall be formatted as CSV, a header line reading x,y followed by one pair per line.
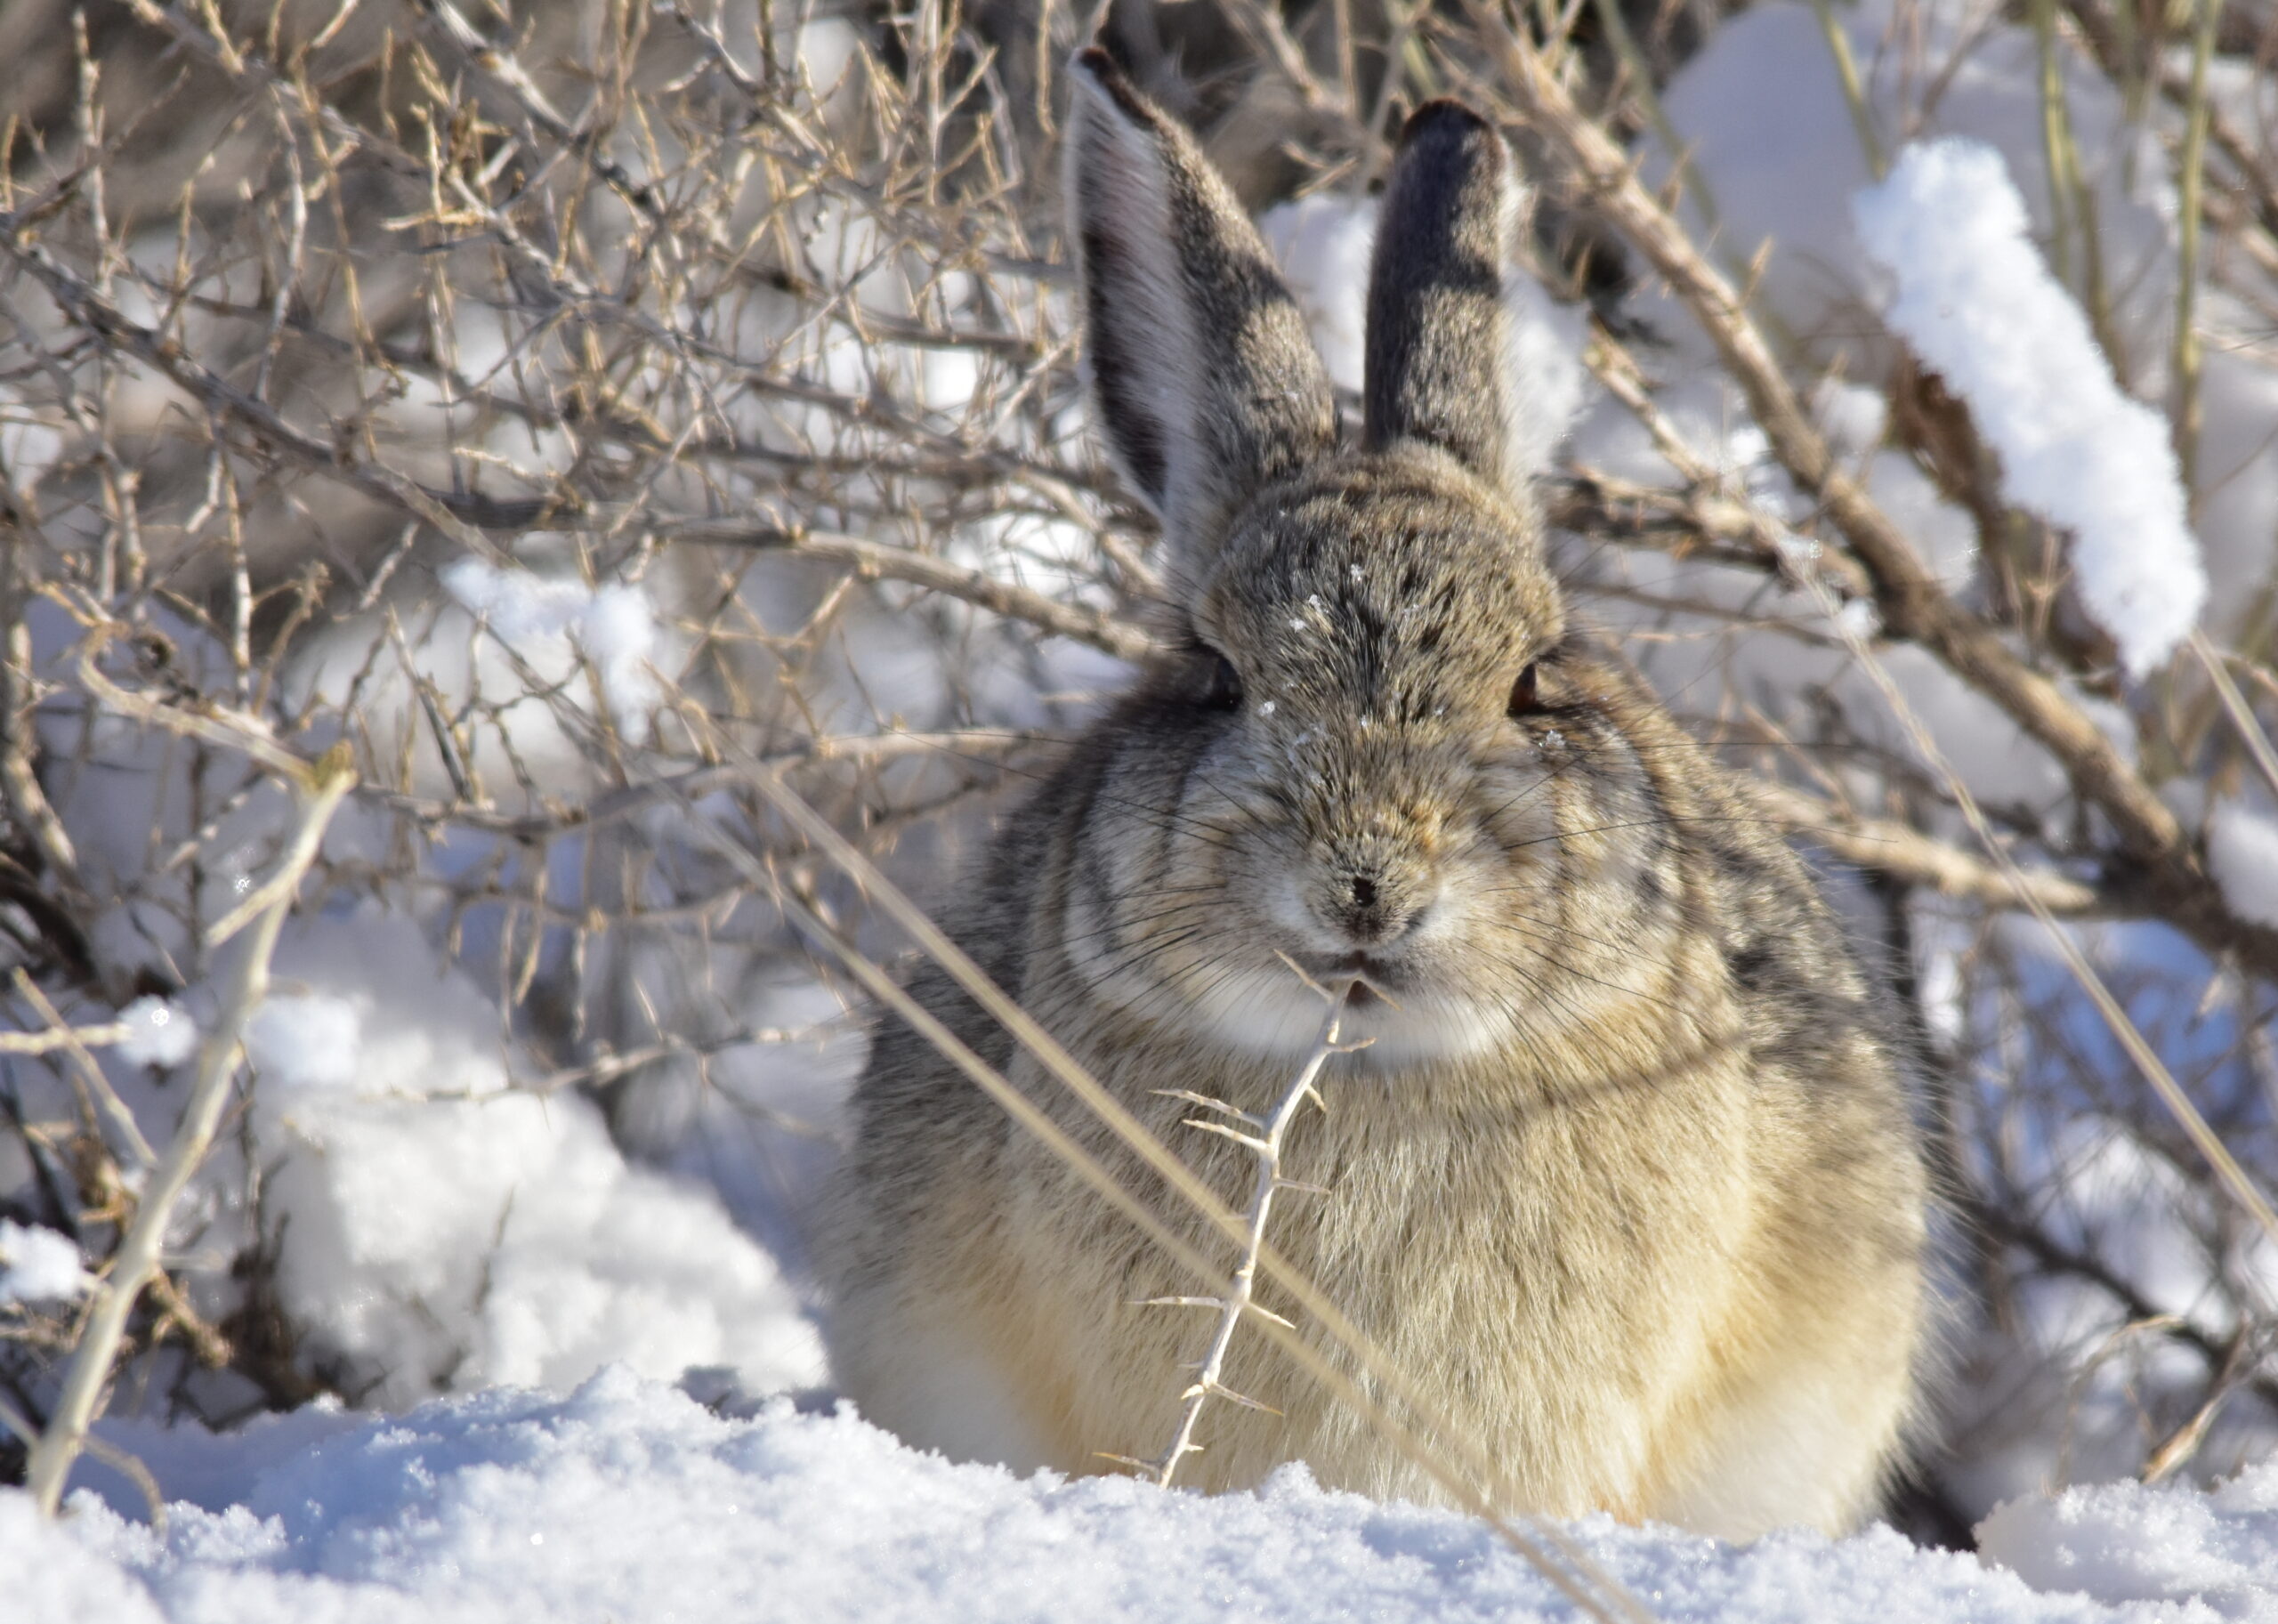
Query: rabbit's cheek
x,y
1288,906
1520,812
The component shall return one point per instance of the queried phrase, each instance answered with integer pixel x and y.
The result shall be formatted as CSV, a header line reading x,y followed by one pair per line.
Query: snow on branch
x,y
38,1265
1974,300
615,624
2242,855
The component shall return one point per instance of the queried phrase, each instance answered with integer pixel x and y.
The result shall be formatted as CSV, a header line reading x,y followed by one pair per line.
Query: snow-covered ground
x,y
627,1501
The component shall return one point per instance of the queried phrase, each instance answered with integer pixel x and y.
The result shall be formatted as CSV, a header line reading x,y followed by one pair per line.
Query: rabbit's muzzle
x,y
1371,902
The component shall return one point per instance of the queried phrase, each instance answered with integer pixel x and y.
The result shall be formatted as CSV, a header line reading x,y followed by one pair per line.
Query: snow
x,y
614,624
2122,1541
1549,386
1975,300
38,1265
1322,243
304,1041
160,1032
628,1499
2242,855
439,1228
1761,117
51,1578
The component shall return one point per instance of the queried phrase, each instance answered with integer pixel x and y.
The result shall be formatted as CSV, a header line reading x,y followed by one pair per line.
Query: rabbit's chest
x,y
1533,1228
1510,1240
1554,1272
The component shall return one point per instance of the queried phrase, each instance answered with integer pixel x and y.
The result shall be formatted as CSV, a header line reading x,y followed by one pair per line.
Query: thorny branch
x,y
1263,1136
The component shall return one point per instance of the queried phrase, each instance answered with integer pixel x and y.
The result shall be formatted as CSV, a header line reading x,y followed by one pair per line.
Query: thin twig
x,y
2250,727
322,787
2190,168
1264,1140
78,1040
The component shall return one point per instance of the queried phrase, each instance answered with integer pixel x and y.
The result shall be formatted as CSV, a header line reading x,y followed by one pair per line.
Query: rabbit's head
x,y
1380,752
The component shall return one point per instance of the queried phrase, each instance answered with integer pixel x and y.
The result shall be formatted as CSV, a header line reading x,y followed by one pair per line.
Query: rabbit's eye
x,y
1525,701
1222,691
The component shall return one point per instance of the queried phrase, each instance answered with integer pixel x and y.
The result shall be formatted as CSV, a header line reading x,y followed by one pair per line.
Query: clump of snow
x,y
1974,299
1853,417
160,1032
1858,619
439,1228
1323,243
1763,119
614,624
629,1500
2242,854
1549,386
38,1265
304,1041
2125,1542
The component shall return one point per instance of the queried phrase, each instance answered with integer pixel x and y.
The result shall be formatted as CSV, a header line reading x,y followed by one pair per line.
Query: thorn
x,y
1302,1187
1222,1391
1756,262
1298,971
1126,1460
1252,1141
1206,1103
1267,1314
1177,1302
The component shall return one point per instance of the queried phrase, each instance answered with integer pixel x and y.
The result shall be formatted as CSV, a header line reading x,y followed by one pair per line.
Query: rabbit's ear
x,y
1439,361
1202,374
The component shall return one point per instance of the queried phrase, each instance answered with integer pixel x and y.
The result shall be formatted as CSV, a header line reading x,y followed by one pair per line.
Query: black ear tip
x,y
1449,122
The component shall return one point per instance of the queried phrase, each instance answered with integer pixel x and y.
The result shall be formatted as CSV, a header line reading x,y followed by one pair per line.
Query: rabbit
x,y
1626,1180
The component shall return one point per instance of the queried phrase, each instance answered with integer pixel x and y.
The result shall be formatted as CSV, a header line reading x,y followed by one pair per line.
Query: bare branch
x,y
322,786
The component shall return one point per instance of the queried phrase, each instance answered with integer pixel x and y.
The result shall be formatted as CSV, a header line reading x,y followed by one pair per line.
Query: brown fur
x,y
1627,1184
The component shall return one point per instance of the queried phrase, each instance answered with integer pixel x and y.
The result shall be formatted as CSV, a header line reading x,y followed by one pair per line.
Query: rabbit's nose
x,y
1374,909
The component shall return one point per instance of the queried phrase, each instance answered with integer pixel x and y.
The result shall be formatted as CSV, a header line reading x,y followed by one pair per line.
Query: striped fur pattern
x,y
1627,1179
